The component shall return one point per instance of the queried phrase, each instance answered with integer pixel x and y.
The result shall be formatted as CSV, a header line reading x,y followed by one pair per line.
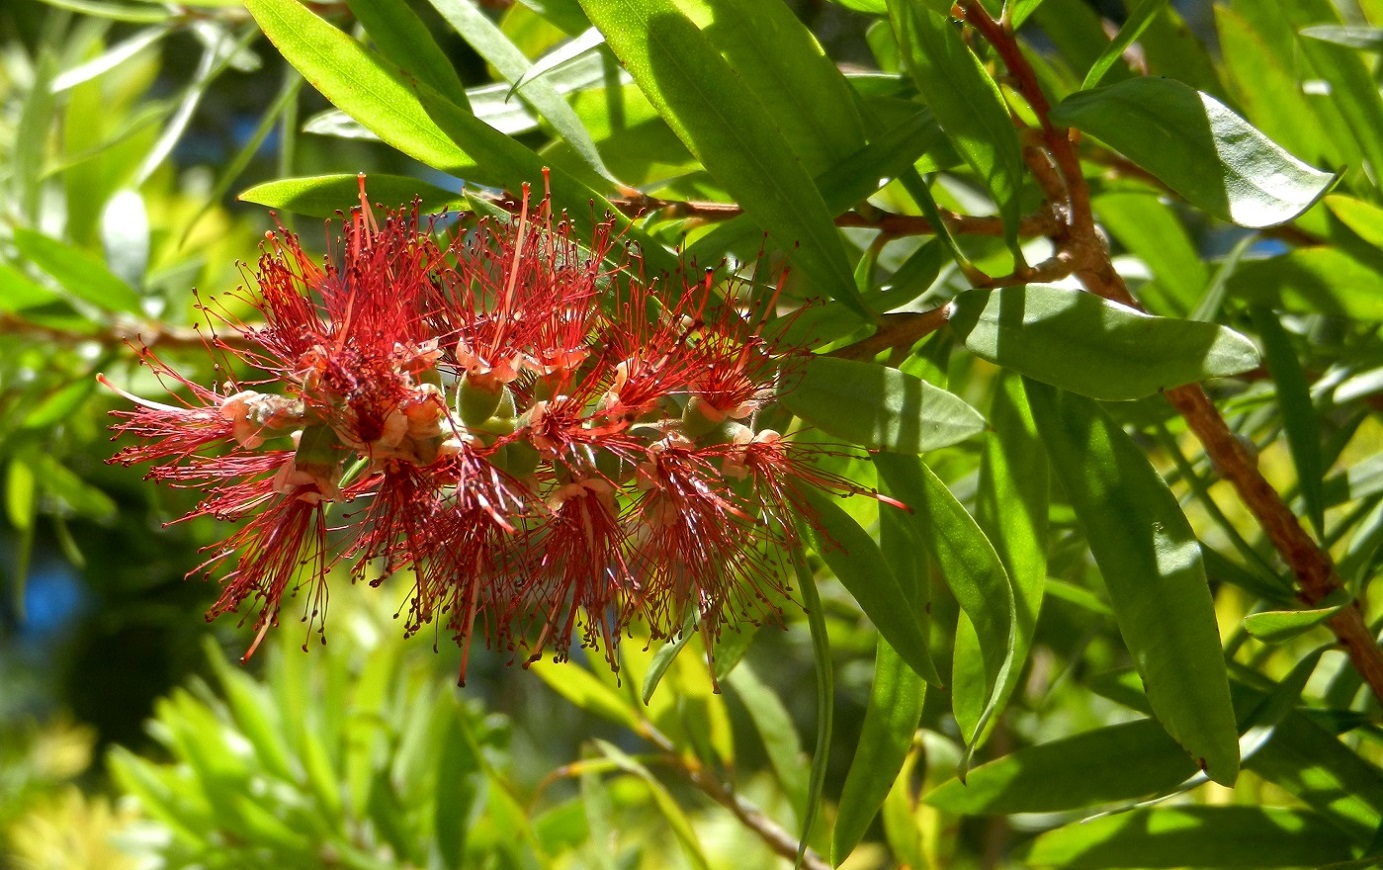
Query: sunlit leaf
x,y
1198,147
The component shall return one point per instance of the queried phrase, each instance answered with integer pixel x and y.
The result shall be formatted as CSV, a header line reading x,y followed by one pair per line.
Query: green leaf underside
x,y
1092,346
1152,568
878,407
726,126
329,195
1198,147
1071,773
851,553
1195,836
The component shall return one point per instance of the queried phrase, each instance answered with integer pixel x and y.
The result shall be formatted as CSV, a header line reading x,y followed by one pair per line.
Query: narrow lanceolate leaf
x,y
1152,568
1194,836
854,557
777,57
1315,280
971,568
1115,763
966,101
358,83
1198,147
1299,417
895,706
726,126
80,274
1011,508
1088,345
1279,626
877,407
403,39
1139,17
491,44
325,195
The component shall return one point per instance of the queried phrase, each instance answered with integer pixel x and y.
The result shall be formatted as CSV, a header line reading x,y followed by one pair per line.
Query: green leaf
x,y
19,292
1353,90
1011,507
972,570
777,731
854,557
492,45
878,407
404,40
1362,38
1268,91
30,141
726,126
80,274
1152,567
357,82
890,719
582,689
1316,280
1313,764
825,695
1092,346
1139,17
1198,147
1298,414
1193,836
328,195
1278,626
966,101
1115,763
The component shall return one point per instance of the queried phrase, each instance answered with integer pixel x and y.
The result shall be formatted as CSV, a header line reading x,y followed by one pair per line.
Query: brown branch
x,y
114,334
770,832
903,329
1080,242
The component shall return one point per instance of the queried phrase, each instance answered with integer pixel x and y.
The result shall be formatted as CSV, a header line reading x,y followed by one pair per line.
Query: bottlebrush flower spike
x,y
552,446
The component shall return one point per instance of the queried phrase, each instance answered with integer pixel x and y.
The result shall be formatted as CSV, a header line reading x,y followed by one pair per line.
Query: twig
x,y
753,818
1312,566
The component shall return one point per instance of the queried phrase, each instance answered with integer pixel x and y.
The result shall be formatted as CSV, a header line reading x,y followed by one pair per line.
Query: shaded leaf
x,y
1198,836
726,126
854,557
1092,346
966,101
971,568
890,719
1115,763
878,407
1151,565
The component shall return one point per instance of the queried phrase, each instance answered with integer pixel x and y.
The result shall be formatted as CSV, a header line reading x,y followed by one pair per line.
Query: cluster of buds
x,y
550,446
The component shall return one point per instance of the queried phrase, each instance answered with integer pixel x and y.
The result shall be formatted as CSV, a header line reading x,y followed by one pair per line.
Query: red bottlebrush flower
x,y
552,446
